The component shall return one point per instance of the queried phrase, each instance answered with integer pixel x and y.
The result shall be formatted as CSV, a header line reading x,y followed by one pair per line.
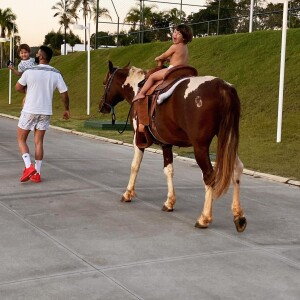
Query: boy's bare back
x,y
180,54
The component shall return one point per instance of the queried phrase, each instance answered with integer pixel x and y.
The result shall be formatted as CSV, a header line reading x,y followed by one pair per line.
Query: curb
x,y
255,174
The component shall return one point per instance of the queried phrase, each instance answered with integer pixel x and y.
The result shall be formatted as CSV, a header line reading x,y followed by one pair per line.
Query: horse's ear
x,y
110,66
127,66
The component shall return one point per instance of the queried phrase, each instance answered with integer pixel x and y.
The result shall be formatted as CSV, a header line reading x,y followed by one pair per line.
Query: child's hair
x,y
24,47
186,32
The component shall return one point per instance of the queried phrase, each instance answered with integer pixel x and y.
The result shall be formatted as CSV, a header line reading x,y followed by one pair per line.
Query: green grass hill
x,y
251,62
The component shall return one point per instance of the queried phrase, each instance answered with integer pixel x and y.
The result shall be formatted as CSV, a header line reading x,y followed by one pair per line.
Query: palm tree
x,y
140,15
7,18
135,13
89,8
65,14
102,12
86,7
99,12
176,16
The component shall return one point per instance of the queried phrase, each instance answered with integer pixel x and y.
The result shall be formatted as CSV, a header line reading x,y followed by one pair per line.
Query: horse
x,y
200,108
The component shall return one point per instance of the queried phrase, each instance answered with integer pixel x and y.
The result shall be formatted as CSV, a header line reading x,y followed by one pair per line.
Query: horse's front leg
x,y
169,172
135,166
237,211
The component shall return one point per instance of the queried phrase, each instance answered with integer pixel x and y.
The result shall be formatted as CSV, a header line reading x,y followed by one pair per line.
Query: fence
x,y
261,21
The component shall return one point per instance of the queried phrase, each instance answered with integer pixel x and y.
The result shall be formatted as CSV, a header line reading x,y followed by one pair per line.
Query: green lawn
x,y
249,61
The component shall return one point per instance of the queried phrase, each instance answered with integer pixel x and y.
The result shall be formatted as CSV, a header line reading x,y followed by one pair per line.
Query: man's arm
x,y
65,99
20,88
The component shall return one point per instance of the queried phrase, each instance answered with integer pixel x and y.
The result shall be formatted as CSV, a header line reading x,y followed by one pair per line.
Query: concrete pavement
x,y
70,237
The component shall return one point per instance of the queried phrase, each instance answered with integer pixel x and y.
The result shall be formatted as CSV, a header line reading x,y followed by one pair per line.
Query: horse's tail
x,y
228,140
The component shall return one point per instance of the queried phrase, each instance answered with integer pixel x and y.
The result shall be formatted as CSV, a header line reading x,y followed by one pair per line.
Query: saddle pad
x,y
163,96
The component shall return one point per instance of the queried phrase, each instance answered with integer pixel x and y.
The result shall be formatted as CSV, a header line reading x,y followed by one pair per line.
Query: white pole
x,y
88,70
282,68
10,58
251,16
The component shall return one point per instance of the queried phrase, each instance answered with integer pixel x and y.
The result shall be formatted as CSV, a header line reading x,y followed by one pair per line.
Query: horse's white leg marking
x,y
135,166
236,205
206,216
171,198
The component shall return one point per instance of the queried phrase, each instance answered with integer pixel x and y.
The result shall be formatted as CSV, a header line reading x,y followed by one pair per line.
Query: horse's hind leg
x,y
203,160
206,216
135,166
238,213
169,172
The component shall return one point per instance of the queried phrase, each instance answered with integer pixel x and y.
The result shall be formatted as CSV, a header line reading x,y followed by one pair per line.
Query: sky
x,y
35,17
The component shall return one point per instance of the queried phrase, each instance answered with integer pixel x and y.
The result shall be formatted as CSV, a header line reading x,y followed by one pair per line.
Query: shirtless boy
x,y
177,54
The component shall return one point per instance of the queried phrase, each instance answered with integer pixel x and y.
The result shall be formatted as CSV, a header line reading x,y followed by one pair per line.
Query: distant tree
x,y
7,25
72,43
103,39
271,17
294,16
161,24
126,39
56,39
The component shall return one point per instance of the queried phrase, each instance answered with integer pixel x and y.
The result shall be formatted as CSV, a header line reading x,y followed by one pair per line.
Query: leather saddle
x,y
144,109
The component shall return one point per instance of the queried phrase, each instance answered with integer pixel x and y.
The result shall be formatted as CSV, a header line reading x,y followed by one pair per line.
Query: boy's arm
x,y
11,67
163,57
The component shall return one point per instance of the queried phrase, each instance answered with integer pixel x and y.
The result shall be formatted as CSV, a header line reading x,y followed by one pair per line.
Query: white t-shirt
x,y
41,82
25,64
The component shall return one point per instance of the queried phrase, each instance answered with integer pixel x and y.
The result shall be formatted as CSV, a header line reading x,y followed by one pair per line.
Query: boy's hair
x,y
48,52
24,47
186,32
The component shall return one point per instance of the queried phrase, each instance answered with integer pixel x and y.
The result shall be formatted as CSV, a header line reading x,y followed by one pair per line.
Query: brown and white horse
x,y
198,109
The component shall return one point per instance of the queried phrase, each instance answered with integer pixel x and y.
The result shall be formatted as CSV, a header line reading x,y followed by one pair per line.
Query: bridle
x,y
107,88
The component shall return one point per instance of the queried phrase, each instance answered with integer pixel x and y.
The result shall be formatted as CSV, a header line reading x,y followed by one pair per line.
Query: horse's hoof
x,y
198,225
125,200
240,223
165,208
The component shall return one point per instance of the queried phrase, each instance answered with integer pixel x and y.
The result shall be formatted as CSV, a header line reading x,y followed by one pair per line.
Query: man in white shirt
x,y
39,83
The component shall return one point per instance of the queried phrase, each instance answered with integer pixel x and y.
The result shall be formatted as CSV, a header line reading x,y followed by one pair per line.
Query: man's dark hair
x,y
186,32
48,52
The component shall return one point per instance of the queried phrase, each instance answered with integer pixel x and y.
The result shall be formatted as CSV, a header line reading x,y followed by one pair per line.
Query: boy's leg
x,y
158,75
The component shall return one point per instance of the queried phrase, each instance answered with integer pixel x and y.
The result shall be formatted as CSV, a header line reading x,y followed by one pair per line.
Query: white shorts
x,y
29,121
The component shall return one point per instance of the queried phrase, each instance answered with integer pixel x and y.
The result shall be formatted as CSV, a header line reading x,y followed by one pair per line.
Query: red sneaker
x,y
36,177
27,173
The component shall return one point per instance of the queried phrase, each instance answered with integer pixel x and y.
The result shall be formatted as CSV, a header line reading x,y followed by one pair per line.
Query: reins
x,y
112,108
120,132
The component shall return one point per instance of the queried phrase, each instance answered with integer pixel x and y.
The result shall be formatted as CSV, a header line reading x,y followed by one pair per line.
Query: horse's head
x,y
113,92
119,84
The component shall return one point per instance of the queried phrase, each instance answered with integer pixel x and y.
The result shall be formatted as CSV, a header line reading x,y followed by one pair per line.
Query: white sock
x,y
27,160
38,164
